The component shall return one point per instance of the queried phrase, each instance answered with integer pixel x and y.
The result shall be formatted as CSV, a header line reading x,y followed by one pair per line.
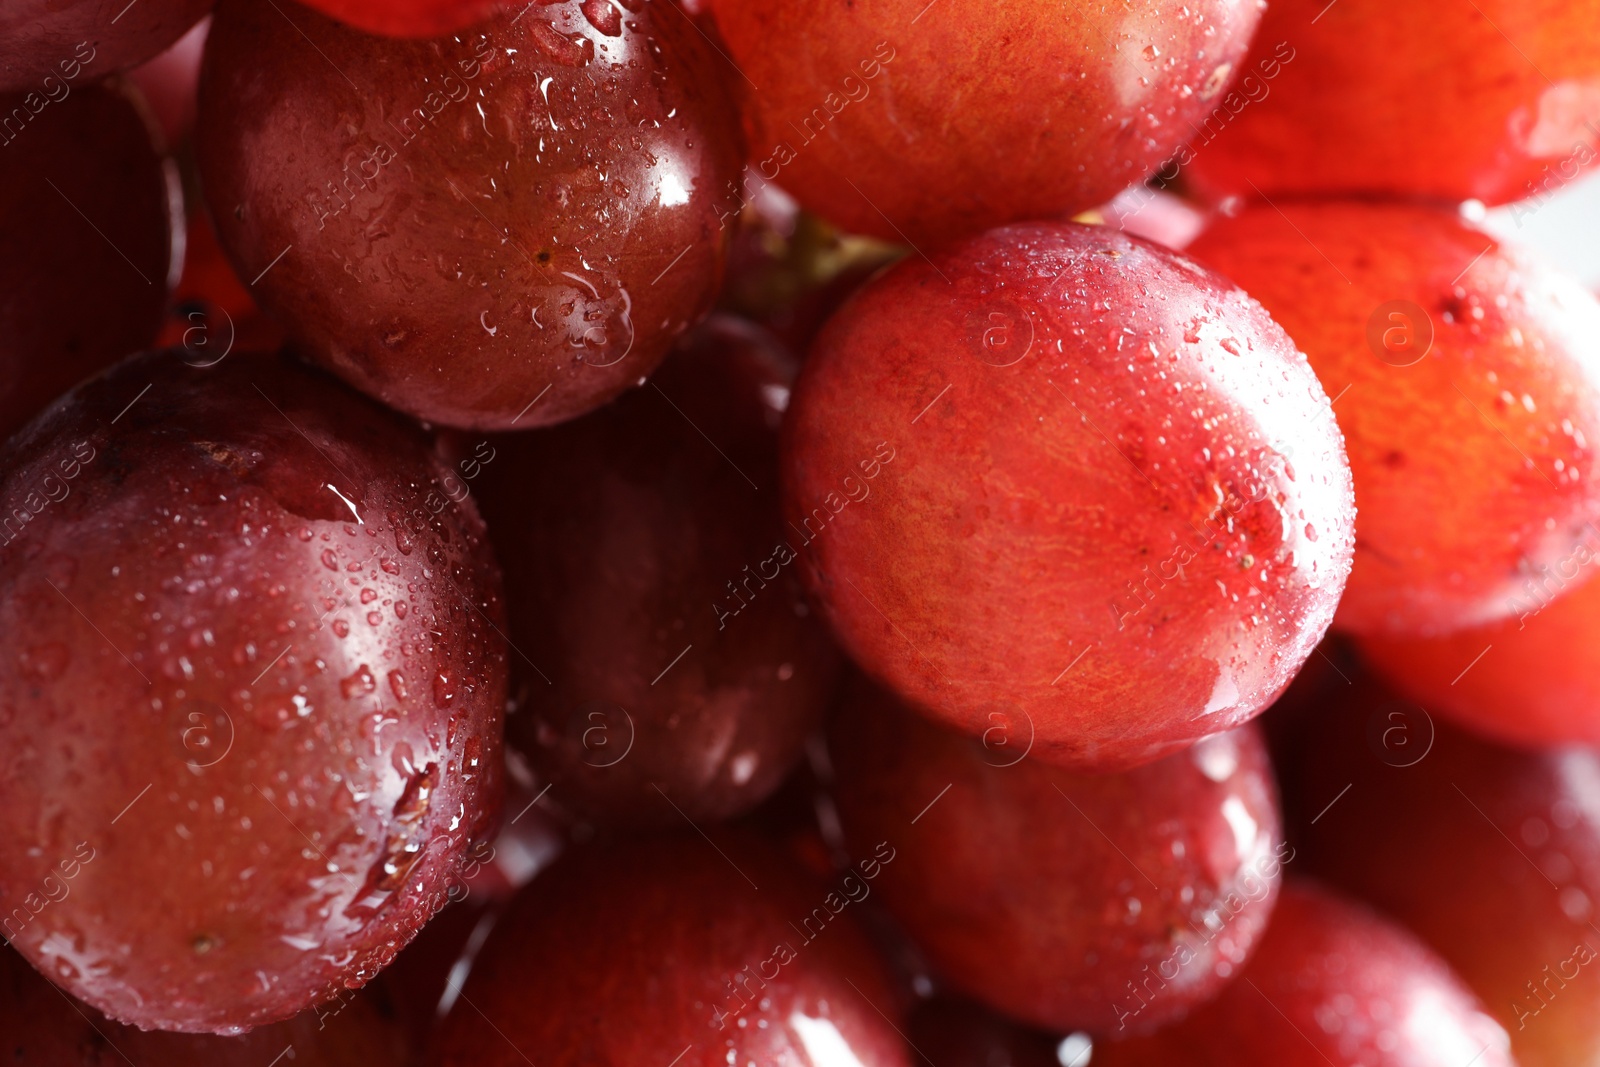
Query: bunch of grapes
x,y
839,534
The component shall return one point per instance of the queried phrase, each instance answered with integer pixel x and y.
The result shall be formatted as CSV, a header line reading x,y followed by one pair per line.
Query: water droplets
x,y
444,689
358,684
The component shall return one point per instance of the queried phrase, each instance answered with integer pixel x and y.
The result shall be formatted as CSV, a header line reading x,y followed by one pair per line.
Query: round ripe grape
x,y
92,217
500,229
673,666
1449,833
1532,680
1493,100
45,1028
1468,386
1332,983
921,122
1068,478
250,691
1107,902
50,49
412,18
664,943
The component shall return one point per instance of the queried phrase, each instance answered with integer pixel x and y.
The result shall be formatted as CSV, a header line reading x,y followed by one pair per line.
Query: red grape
x,y
1491,855
1532,680
250,691
1110,902
1490,99
505,228
1468,378
675,946
49,48
43,1027
88,214
1331,984
918,122
673,667
1046,477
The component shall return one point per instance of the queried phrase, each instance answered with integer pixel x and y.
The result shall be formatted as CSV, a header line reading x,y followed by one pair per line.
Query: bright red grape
x,y
1532,680
676,946
1497,100
250,691
1068,478
925,122
1468,385
91,218
501,229
1108,902
673,666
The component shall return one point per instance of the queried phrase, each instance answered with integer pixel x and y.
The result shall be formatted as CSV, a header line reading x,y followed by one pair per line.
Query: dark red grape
x,y
675,947
1112,903
88,213
501,229
51,48
673,667
250,691
1063,476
